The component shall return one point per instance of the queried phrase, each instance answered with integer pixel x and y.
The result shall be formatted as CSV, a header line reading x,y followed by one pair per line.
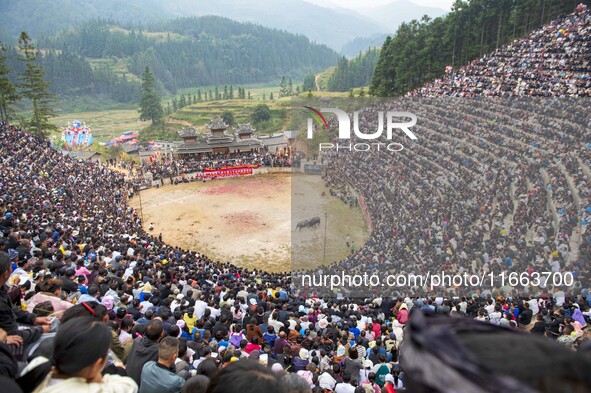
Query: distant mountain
x,y
100,58
361,44
333,27
42,17
390,16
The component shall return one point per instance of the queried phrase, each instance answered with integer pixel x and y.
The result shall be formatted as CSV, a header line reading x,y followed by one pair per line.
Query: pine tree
x,y
194,99
34,88
7,90
249,96
175,104
189,102
271,96
283,87
231,92
290,88
217,93
199,96
150,105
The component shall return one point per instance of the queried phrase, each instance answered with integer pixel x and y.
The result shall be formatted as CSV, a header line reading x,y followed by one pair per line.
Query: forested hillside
x,y
356,72
181,53
42,17
421,50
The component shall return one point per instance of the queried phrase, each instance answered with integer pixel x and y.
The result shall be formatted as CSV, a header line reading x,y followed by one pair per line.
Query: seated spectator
x,y
81,349
51,290
144,350
11,315
245,376
159,376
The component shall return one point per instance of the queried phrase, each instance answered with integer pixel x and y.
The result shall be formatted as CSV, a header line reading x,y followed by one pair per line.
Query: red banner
x,y
225,168
226,172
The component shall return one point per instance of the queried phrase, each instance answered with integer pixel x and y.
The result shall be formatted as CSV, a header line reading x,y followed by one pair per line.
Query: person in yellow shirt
x,y
190,318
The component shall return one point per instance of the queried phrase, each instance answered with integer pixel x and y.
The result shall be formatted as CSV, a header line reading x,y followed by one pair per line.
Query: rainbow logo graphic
x,y
318,117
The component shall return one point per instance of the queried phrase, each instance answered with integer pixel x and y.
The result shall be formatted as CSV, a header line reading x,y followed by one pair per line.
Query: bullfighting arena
x,y
248,220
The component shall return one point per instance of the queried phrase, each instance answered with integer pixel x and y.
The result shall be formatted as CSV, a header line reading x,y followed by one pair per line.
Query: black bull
x,y
311,223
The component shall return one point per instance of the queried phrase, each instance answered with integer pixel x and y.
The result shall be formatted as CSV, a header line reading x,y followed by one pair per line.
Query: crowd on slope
x,y
89,301
176,320
551,61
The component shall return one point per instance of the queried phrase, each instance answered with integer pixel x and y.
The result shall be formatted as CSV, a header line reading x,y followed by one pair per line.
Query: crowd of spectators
x,y
164,168
551,61
90,301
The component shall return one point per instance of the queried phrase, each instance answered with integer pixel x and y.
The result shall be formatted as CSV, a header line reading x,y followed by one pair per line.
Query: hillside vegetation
x,y
103,60
421,50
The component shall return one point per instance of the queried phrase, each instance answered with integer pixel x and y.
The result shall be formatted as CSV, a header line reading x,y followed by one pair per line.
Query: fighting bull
x,y
311,223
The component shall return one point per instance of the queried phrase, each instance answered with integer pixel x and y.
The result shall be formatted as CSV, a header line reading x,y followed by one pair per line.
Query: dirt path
x,y
181,122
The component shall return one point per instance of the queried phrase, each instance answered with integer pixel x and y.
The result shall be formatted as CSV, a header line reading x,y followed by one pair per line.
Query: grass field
x,y
200,114
104,124
110,121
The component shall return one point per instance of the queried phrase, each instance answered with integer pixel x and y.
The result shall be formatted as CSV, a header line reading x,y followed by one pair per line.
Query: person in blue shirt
x,y
269,336
354,328
81,287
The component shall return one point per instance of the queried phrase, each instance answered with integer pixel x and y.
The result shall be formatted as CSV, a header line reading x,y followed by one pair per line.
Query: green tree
x,y
309,82
283,87
8,94
271,96
260,114
35,88
115,151
228,118
150,105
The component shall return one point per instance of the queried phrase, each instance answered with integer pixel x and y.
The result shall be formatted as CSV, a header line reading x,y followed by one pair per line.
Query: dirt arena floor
x,y
251,220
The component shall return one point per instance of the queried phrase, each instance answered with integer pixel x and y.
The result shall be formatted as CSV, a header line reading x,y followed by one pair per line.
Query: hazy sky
x,y
445,4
